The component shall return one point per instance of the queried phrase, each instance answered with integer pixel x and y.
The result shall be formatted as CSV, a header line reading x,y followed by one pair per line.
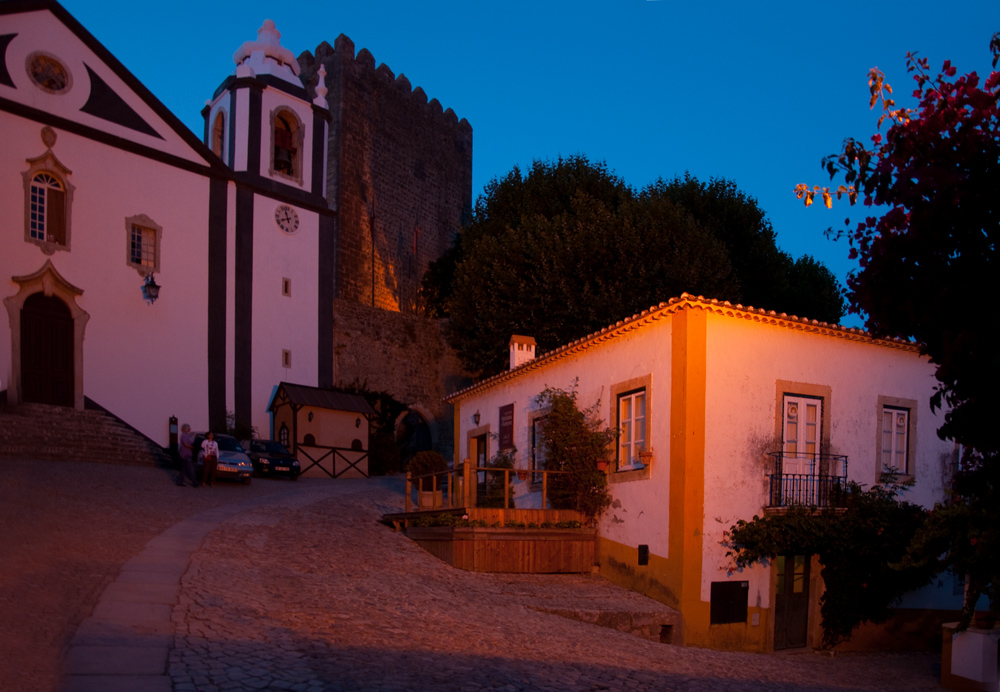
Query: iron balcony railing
x,y
813,480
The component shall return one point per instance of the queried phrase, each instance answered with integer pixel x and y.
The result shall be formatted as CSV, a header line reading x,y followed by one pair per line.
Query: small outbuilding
x,y
326,429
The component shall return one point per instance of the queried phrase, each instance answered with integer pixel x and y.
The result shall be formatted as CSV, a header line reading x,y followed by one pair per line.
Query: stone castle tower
x,y
399,176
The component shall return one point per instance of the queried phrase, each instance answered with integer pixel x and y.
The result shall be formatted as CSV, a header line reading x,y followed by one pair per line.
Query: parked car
x,y
233,460
272,458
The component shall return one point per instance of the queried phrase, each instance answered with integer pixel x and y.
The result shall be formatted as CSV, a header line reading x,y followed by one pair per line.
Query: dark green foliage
x,y
861,549
575,442
568,248
428,462
928,264
493,492
963,534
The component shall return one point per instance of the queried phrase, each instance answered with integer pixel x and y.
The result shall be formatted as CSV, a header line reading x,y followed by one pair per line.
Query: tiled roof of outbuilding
x,y
332,399
686,302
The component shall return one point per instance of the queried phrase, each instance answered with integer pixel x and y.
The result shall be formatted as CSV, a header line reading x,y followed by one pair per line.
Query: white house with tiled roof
x,y
726,412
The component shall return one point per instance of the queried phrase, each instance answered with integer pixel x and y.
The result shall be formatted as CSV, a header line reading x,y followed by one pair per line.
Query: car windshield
x,y
228,444
268,447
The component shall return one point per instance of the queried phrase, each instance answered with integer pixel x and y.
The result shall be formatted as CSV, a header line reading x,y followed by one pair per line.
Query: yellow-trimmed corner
x,y
687,455
660,580
619,564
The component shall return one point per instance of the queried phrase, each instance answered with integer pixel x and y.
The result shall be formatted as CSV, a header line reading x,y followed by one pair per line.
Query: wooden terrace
x,y
451,522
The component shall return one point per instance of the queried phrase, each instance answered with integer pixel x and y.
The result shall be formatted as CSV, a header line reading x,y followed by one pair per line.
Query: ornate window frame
x,y
47,163
144,222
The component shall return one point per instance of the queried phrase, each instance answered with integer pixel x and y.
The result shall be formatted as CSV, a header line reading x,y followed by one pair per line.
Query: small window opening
x,y
286,358
286,287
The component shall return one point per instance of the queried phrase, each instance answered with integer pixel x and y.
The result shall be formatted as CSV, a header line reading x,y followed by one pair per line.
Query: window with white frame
x,y
632,428
895,439
48,209
143,244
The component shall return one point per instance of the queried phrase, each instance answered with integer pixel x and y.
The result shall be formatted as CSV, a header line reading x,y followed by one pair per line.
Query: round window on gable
x,y
48,73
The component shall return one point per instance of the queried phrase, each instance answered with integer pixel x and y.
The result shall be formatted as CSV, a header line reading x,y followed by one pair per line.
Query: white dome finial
x,y
267,56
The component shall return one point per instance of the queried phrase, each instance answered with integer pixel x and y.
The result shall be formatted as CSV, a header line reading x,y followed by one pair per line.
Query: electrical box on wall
x,y
643,554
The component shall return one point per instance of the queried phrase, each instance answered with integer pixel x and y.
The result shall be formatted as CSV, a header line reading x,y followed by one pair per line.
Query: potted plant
x,y
429,468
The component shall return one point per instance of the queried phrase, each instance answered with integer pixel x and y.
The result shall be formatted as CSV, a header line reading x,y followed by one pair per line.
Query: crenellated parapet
x,y
343,50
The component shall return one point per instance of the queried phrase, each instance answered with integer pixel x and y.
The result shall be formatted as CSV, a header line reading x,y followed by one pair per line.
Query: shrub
x,y
428,462
494,490
575,442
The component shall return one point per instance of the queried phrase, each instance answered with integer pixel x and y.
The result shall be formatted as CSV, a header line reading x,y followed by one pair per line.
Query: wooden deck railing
x,y
458,487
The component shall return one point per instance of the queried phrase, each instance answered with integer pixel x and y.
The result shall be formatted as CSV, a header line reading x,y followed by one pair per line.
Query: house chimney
x,y
522,350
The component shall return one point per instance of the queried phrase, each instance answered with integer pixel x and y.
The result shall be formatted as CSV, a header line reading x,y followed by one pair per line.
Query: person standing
x,y
187,457
210,458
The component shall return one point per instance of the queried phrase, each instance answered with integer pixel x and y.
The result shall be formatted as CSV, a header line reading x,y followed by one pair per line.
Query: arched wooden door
x,y
47,351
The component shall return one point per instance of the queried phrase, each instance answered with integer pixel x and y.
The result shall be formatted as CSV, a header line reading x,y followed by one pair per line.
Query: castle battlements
x,y
343,51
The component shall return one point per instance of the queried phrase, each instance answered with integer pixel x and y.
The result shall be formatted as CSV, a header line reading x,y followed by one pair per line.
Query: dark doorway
x,y
791,602
47,351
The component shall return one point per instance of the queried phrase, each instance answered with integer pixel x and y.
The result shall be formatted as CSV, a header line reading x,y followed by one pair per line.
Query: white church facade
x,y
148,271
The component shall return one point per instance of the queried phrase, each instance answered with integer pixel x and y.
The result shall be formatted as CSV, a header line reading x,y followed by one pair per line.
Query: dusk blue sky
x,y
754,92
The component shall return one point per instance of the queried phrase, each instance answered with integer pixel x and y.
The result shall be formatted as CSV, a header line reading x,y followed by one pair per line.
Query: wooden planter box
x,y
524,551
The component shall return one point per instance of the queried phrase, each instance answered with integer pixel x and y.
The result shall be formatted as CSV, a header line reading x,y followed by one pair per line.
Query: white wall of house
x,y
745,361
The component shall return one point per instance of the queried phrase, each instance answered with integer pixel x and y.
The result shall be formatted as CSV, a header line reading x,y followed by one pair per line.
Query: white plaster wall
x,y
42,31
283,322
744,361
640,511
144,363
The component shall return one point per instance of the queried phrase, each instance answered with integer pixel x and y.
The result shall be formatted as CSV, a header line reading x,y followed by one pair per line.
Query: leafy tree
x,y
858,548
568,248
929,260
927,270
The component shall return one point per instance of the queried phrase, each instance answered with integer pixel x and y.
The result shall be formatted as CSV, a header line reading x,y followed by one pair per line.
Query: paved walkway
x,y
303,590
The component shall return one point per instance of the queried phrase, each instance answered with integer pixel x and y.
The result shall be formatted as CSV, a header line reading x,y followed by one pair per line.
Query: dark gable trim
x,y
231,152
4,74
243,311
283,193
232,82
218,199
20,6
318,154
104,103
212,165
327,274
254,131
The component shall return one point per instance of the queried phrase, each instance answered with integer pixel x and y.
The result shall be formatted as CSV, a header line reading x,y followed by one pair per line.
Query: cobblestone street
x,y
296,586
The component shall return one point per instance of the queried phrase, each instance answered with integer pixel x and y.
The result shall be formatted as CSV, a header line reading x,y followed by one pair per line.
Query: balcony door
x,y
801,434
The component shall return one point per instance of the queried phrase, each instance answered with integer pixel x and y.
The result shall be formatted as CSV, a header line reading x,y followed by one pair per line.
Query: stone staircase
x,y
37,431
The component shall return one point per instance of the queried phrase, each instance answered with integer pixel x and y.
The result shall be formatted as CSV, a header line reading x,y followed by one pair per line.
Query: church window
x,y
47,209
48,73
219,134
286,144
143,244
48,202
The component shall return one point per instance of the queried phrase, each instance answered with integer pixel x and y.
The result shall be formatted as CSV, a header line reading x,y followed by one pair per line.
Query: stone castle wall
x,y
399,173
403,355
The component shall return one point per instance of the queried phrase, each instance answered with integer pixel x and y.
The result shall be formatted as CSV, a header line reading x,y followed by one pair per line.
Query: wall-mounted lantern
x,y
475,417
150,289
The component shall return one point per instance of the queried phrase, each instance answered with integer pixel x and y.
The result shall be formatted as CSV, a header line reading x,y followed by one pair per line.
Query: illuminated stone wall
x,y
399,175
